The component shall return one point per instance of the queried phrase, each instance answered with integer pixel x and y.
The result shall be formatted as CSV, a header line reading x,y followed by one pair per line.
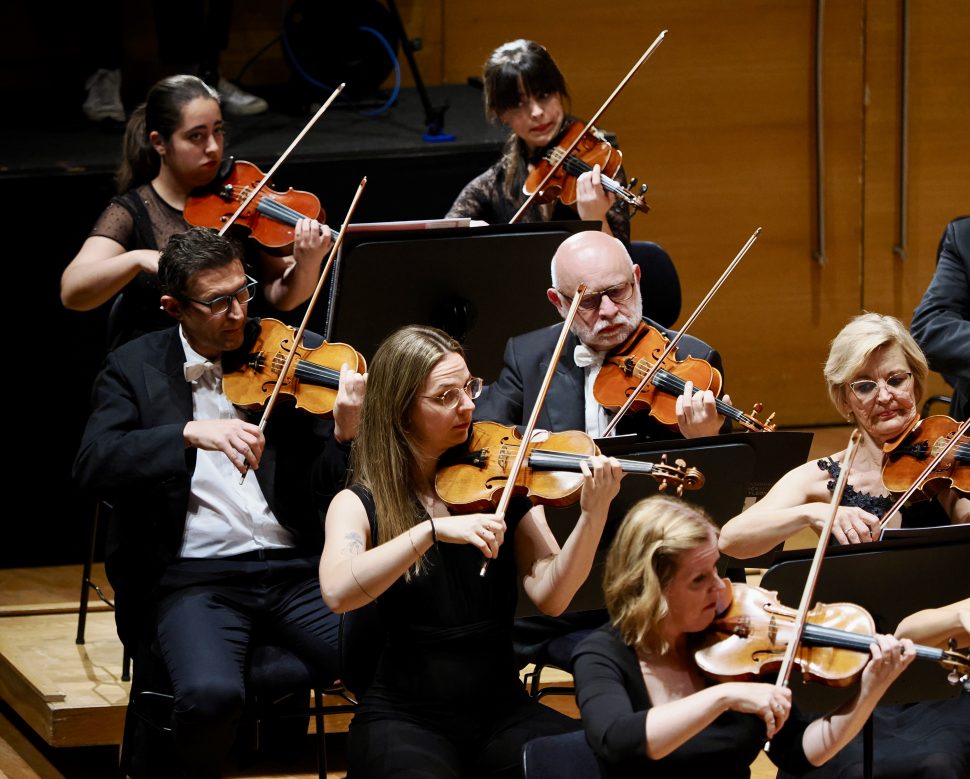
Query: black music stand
x,y
774,455
726,467
891,580
482,285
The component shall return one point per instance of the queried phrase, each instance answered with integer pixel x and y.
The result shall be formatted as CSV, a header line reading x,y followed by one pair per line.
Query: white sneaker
x,y
104,96
236,101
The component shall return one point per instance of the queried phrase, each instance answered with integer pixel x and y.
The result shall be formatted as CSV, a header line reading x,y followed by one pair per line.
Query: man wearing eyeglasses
x,y
609,313
216,526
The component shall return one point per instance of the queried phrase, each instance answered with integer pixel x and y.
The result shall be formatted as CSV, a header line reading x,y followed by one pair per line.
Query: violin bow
x,y
313,120
931,466
676,339
520,456
784,672
569,150
298,337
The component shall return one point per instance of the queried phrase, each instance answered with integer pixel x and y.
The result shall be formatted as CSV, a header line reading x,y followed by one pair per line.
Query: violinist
x,y
525,91
446,699
200,560
173,145
614,281
645,706
876,375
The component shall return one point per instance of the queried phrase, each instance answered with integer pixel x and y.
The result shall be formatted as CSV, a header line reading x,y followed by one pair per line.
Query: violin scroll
x,y
678,474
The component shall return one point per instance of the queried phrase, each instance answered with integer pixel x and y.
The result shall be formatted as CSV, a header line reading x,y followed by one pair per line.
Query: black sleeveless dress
x,y
446,699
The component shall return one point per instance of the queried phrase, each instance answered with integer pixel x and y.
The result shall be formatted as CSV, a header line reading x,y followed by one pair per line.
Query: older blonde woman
x,y
646,708
876,377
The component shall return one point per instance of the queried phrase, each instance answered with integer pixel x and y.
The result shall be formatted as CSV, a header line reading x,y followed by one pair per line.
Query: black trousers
x,y
209,614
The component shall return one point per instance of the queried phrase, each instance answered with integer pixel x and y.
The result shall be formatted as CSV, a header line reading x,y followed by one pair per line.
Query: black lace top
x,y
485,198
921,514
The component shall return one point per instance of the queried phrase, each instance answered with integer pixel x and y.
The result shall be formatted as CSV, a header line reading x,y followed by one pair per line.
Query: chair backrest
x,y
565,756
659,282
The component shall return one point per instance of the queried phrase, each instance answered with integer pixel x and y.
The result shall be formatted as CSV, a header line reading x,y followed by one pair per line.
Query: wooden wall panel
x,y
719,123
938,148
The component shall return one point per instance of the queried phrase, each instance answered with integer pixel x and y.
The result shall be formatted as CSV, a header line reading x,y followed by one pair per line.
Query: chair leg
x,y
321,733
82,614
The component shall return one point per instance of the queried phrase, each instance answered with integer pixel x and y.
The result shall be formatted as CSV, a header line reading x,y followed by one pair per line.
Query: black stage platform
x,y
56,177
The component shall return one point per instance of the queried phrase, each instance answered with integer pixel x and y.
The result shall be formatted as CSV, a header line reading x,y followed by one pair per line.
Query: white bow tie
x,y
583,356
196,370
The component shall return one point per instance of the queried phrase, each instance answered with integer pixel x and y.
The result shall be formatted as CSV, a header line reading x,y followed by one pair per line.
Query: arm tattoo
x,y
354,545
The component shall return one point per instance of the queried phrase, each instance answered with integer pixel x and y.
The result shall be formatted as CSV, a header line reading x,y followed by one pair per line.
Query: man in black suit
x,y
941,322
204,562
609,315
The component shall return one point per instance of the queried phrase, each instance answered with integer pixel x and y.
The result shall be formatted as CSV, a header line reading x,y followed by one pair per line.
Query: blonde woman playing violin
x,y
876,376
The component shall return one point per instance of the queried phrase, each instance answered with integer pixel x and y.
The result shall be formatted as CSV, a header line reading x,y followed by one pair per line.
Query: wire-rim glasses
x,y
452,397
221,305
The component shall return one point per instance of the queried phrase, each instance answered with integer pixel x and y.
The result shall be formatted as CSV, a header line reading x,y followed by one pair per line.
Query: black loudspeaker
x,y
355,43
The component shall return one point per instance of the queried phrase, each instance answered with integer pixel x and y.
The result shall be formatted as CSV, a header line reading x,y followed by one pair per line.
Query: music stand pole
x,y
434,118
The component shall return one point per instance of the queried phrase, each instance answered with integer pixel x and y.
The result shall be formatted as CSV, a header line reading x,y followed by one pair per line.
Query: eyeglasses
x,y
592,301
220,305
897,384
451,398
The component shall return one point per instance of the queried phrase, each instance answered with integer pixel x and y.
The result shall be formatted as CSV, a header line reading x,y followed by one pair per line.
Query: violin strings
x,y
310,371
674,385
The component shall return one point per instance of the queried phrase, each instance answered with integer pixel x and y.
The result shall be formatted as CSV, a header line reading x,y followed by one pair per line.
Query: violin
x,y
269,218
589,148
473,479
906,458
625,366
312,378
749,639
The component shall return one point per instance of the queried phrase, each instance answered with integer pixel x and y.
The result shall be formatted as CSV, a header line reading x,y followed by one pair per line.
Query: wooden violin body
x,y
269,218
750,639
907,457
623,370
475,480
591,149
313,377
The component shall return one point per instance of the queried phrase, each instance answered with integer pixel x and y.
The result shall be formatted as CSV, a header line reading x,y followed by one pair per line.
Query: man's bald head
x,y
602,263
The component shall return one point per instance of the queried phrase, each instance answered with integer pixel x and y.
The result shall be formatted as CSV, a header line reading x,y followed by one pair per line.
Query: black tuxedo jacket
x,y
511,398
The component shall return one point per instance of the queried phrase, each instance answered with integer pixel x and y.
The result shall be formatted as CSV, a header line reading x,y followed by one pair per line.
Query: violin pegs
x,y
643,188
633,182
758,408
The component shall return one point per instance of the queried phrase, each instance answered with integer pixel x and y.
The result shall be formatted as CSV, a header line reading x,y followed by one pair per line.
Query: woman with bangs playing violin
x,y
876,375
525,90
173,145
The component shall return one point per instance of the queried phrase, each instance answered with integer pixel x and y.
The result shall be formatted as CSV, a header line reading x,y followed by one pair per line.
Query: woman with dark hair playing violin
x,y
646,707
876,376
525,90
173,145
446,699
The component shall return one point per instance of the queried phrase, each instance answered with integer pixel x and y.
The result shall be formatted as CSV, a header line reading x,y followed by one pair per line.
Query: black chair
x,y
659,282
98,516
556,654
565,756
278,684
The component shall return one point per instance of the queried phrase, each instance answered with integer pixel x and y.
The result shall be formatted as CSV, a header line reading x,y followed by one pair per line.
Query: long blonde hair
x,y
383,455
643,560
